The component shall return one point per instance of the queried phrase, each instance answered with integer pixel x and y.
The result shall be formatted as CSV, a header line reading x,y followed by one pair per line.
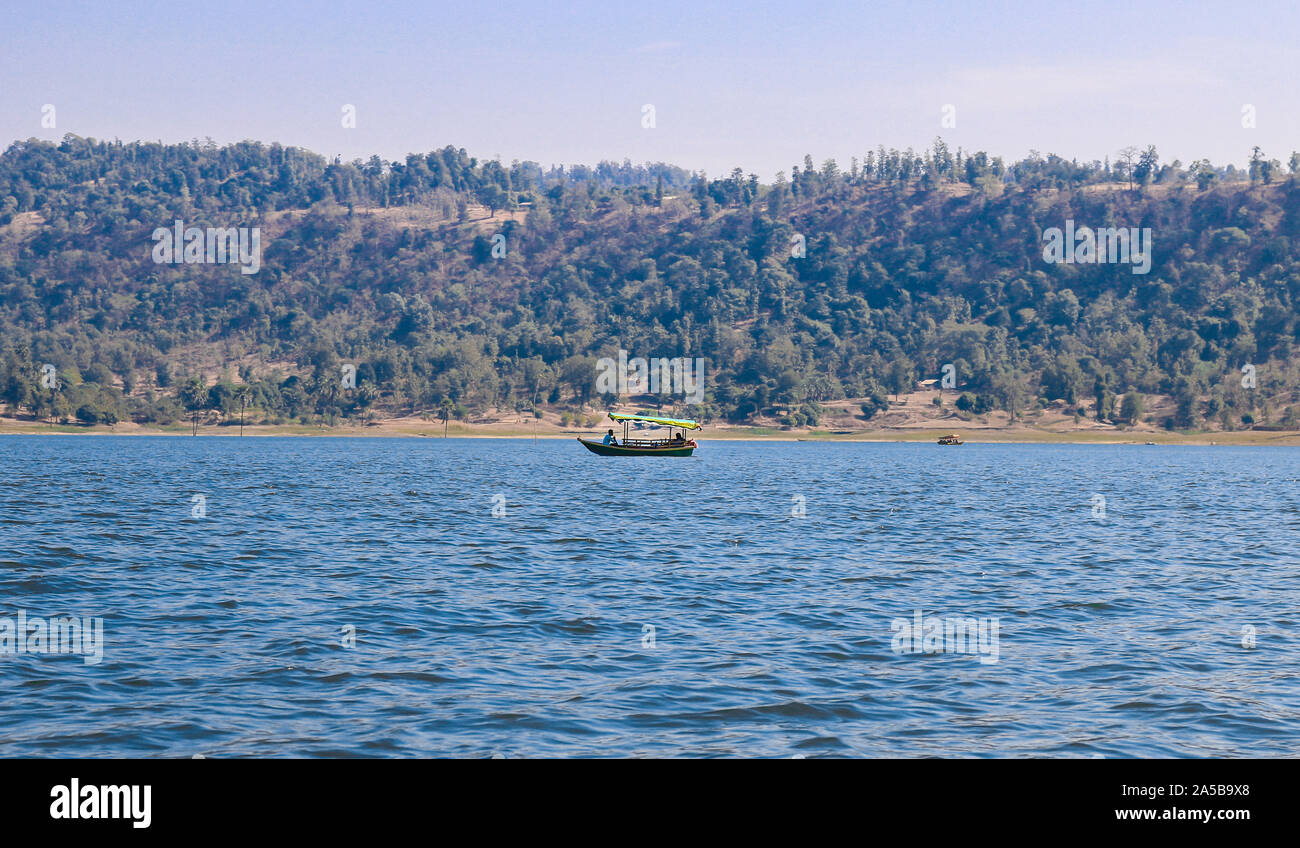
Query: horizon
x,y
569,86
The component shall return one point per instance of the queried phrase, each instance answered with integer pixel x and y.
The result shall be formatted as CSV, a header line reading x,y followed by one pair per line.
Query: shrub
x,y
875,403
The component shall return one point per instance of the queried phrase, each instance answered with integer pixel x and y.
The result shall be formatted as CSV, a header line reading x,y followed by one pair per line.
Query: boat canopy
x,y
685,424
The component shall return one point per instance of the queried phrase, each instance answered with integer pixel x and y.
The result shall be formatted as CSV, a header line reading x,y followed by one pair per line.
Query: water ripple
x,y
478,598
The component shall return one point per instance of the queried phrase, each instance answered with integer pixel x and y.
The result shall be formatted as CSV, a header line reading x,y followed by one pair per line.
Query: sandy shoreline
x,y
910,417
422,429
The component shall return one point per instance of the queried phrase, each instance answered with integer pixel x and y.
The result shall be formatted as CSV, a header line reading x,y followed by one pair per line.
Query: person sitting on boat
x,y
609,439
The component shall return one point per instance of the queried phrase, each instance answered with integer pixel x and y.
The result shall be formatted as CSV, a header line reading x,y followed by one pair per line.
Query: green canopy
x,y
670,422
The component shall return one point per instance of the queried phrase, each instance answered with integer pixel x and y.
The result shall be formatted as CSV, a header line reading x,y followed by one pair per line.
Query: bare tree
x,y
1127,162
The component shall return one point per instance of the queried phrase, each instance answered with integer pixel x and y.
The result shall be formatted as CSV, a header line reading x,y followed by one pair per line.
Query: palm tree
x,y
243,392
194,396
444,412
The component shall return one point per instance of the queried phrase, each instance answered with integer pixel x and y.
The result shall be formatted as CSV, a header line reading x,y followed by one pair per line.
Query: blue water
x,y
528,633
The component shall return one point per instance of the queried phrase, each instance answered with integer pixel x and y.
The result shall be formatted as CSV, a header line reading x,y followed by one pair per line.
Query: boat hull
x,y
619,450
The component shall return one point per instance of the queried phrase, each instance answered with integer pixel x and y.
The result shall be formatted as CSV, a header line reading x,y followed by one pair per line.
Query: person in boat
x,y
609,439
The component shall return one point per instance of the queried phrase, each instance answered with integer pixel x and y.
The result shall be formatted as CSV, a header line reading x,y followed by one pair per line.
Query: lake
x,y
335,597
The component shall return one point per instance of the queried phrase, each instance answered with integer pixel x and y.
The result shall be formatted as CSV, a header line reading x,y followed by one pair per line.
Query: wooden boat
x,y
951,439
670,446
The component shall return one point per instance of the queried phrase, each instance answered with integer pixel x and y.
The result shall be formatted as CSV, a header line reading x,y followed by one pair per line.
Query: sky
x,y
754,85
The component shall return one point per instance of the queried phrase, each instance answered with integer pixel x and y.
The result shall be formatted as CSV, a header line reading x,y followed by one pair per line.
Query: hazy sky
x,y
750,84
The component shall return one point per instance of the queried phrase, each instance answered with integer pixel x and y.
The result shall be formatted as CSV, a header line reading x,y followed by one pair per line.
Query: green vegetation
x,y
912,261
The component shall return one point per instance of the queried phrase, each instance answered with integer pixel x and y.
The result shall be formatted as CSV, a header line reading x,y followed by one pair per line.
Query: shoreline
x,y
413,429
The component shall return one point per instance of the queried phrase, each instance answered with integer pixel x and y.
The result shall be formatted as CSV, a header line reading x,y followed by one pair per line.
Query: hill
x,y
451,285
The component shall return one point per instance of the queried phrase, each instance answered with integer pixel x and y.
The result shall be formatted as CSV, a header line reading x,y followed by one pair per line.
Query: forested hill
x,y
826,283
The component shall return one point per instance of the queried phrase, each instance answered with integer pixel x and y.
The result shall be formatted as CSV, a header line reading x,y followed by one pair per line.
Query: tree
x,y
1204,173
1131,408
15,386
1063,379
1186,414
1257,163
1127,163
493,197
579,372
444,412
194,396
901,376
243,393
1146,166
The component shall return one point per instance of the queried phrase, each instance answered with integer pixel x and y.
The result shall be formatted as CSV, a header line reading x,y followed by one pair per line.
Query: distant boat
x,y
671,446
951,439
